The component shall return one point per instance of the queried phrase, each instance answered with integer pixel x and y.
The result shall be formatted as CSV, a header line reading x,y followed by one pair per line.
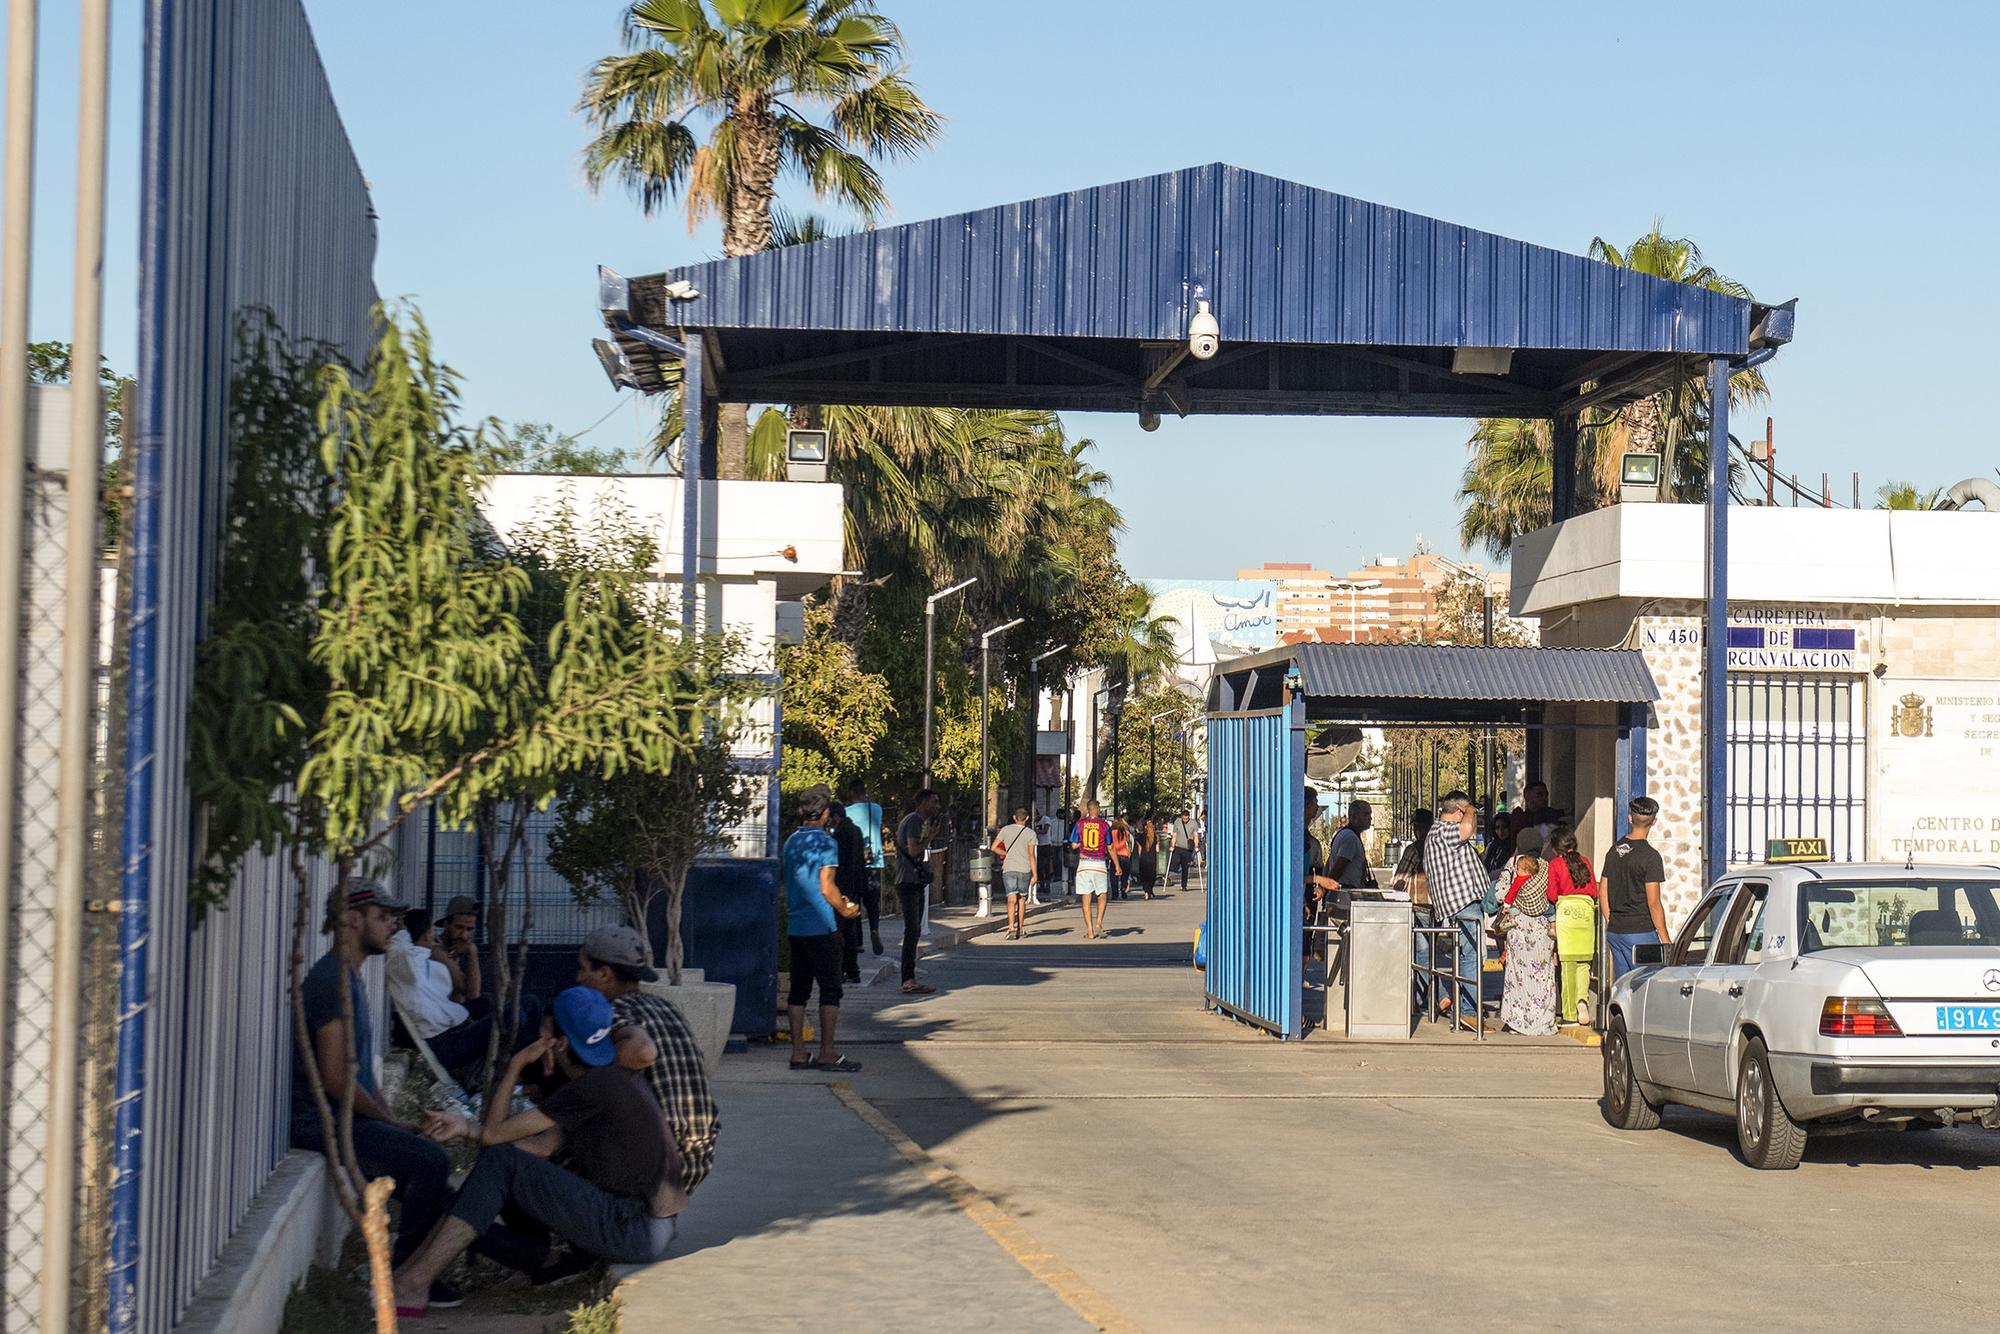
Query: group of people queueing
x,y
1542,899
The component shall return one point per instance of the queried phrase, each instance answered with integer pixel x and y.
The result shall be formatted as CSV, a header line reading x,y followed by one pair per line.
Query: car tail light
x,y
1856,1017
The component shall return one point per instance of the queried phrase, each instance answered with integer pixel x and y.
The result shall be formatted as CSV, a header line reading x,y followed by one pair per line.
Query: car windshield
x,y
1846,915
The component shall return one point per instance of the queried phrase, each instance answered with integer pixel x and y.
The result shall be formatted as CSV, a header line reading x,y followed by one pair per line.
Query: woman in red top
x,y
1569,873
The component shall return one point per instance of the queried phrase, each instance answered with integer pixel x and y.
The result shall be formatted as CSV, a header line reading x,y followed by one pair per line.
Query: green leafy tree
x,y
835,713
1507,485
539,447
635,835
714,102
49,363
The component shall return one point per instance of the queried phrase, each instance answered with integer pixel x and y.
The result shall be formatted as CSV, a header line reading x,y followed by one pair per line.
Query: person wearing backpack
x,y
1015,846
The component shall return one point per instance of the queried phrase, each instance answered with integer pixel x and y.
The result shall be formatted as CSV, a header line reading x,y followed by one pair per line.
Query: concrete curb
x,y
944,937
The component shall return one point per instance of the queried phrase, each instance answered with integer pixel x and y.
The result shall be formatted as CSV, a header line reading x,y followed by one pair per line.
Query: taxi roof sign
x,y
1782,850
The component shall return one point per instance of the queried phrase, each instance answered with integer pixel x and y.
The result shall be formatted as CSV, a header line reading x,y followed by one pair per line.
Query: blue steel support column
x,y
1630,776
1562,479
1295,903
1715,647
694,425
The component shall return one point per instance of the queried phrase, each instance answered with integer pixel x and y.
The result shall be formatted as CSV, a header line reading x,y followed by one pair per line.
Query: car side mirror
x,y
1654,954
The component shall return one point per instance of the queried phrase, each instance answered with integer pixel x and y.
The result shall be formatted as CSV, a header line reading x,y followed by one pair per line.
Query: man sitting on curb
x,y
385,1145
618,1187
613,963
421,986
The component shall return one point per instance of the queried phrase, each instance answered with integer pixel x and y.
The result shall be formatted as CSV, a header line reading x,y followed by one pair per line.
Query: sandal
x,y
809,1063
917,989
844,1066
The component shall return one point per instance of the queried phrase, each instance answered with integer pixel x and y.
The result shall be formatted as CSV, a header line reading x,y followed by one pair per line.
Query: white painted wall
x,y
1795,556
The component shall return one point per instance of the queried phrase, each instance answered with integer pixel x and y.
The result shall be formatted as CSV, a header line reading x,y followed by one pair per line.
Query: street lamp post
x,y
1485,582
1354,587
985,774
1153,760
1035,706
930,655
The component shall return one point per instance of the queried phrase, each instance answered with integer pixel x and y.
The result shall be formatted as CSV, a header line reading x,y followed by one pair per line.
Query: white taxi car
x,y
1803,997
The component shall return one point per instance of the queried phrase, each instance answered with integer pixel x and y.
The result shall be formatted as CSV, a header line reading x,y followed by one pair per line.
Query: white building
x,y
1864,674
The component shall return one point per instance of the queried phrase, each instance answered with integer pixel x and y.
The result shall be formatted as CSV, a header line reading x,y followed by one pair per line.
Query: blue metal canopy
x,y
1083,300
1434,683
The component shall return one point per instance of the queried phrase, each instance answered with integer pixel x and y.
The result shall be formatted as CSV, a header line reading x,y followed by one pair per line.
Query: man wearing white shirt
x,y
421,987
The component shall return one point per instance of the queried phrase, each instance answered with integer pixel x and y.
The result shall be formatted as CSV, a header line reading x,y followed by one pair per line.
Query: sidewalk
x,y
812,1220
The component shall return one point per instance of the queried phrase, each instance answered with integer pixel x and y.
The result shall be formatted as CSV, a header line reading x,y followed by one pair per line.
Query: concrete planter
x,y
708,1008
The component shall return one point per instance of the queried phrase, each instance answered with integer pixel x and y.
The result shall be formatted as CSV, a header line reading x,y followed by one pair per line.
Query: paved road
x,y
1189,1173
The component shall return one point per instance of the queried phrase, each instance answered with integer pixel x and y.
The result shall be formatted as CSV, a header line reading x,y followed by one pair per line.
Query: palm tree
x,y
1906,496
1507,487
714,100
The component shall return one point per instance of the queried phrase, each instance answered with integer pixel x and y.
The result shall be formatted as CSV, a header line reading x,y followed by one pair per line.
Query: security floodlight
x,y
805,456
1640,470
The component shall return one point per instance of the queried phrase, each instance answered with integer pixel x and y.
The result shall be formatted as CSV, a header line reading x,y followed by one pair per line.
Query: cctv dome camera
x,y
1149,420
1204,335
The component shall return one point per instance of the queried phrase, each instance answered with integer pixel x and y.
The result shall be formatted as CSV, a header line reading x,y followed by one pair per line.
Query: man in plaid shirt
x,y
1457,879
613,963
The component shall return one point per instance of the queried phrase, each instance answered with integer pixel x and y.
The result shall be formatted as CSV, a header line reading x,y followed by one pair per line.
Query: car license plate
x,y
1968,1018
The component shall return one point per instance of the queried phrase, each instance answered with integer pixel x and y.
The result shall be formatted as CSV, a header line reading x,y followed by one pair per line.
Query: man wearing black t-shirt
x,y
595,1164
1633,873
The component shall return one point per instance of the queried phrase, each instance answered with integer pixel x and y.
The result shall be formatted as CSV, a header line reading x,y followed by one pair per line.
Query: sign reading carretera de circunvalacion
x,y
1776,639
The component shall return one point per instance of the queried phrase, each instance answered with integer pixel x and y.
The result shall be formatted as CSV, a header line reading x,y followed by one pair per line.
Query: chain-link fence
x,y
31,969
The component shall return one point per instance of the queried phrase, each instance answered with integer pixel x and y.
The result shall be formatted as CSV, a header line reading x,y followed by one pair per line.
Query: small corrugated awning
x,y
1444,683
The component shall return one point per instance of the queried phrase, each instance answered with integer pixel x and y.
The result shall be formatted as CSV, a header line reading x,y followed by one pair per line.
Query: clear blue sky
x,y
1839,152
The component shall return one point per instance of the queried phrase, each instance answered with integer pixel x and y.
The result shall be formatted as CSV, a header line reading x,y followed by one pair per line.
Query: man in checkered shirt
x,y
1457,878
613,963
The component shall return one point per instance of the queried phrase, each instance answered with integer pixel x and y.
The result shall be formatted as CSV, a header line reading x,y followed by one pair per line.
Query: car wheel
x,y
1625,1104
1771,1141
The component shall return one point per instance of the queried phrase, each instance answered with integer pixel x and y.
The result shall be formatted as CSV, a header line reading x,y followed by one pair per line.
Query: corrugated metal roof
x,y
1452,672
1280,262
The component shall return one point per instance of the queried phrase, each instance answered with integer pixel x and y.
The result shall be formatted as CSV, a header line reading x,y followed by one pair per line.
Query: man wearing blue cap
x,y
595,1164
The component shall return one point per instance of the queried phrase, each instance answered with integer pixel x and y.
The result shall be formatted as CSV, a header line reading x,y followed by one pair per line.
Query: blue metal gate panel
x,y
1256,895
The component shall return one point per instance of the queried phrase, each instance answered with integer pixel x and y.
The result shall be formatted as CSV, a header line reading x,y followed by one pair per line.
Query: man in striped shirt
x,y
1456,876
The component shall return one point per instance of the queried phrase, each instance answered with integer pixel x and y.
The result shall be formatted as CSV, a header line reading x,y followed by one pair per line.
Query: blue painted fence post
x,y
1715,647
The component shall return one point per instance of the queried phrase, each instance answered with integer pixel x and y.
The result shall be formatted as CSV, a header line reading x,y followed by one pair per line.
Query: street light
x,y
1035,706
1485,580
1353,586
1153,759
985,775
930,652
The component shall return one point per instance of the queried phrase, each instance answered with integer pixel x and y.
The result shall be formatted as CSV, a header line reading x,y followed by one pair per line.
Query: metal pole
x,y
694,420
985,768
79,668
1069,740
1715,652
17,215
1152,766
930,674
1117,748
930,660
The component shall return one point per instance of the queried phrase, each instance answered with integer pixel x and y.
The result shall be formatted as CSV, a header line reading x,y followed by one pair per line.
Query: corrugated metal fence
x,y
251,198
1256,889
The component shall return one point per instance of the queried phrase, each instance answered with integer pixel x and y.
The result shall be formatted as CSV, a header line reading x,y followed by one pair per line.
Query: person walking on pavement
x,y
1183,853
1121,858
1020,869
852,876
1456,877
812,902
1633,873
913,882
1096,864
867,817
1147,853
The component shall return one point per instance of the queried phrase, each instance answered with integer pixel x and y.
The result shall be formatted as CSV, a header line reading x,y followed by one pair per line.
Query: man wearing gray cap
x,y
613,963
385,1145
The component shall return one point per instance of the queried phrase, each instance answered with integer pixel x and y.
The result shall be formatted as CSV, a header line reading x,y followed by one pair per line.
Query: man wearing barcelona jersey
x,y
1096,863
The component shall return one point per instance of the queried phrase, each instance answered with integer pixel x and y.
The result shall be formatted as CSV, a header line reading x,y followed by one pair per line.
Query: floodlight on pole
x,y
1353,587
1035,706
930,657
985,776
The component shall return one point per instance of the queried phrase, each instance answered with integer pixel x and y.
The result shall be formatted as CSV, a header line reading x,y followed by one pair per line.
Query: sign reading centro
x,y
1935,791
